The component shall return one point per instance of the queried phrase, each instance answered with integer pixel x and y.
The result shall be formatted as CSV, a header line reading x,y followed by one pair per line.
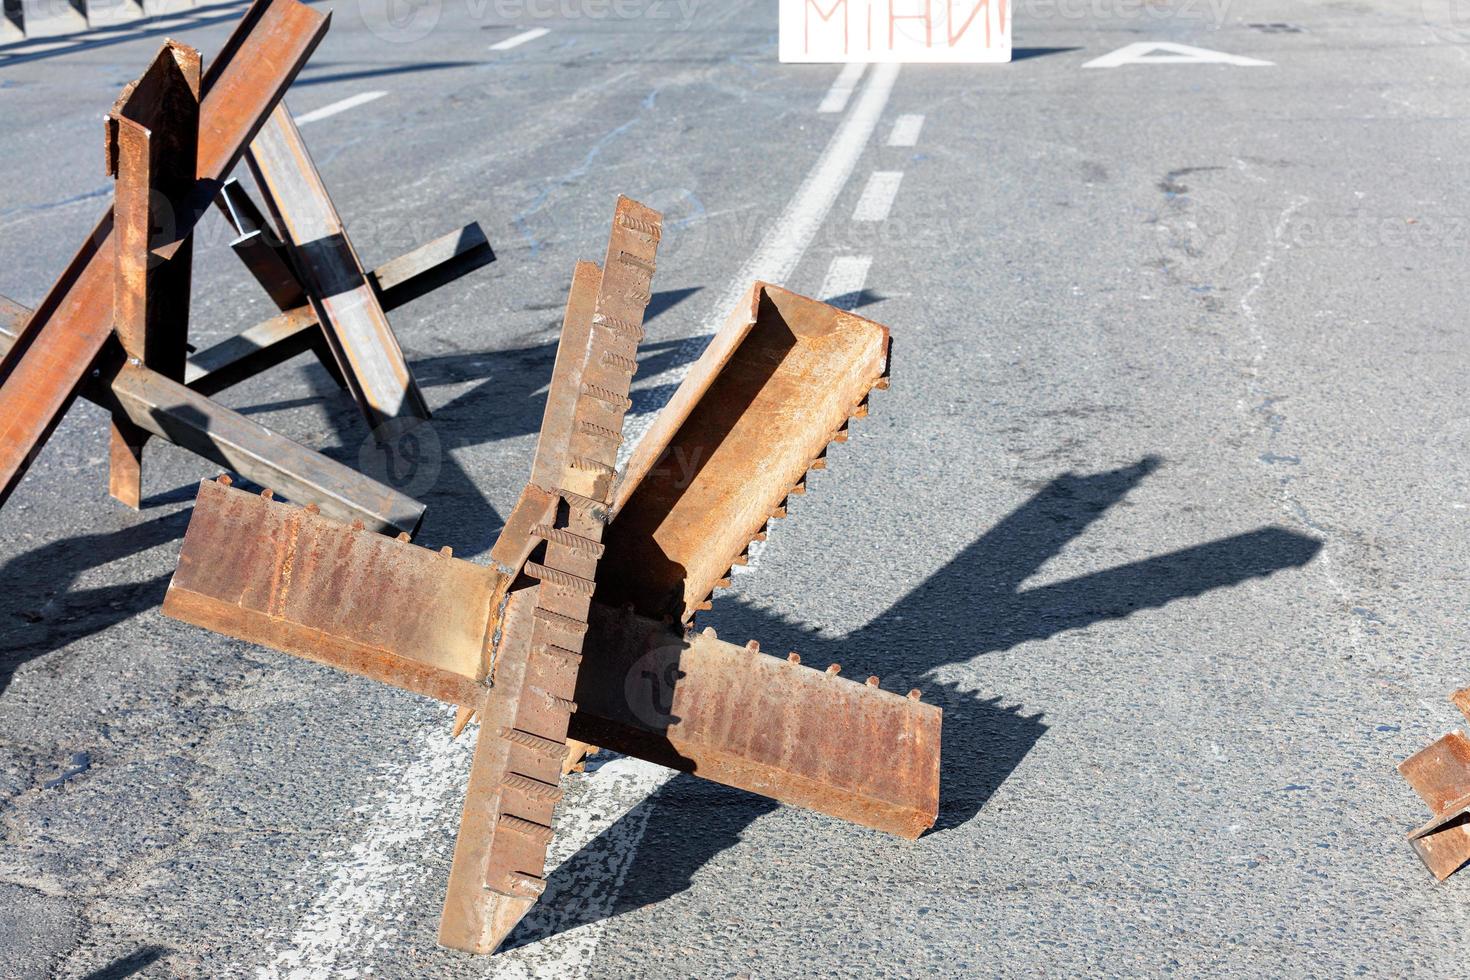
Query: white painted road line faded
x,y
906,131
519,39
877,199
347,924
842,89
352,102
367,887
602,826
846,277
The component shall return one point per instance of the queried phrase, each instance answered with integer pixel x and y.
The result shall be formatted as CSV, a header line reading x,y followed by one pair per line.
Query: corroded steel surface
x,y
1440,774
500,858
396,282
285,577
44,369
151,150
344,300
777,384
162,407
770,725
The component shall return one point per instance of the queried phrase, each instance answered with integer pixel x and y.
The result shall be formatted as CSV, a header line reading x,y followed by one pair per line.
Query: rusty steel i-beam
x,y
581,626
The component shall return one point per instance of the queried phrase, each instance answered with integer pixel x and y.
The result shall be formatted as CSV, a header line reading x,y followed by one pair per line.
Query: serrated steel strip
x,y
565,580
577,542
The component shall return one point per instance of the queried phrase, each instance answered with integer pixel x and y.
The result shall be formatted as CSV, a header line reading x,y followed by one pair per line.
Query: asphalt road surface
x,y
1166,506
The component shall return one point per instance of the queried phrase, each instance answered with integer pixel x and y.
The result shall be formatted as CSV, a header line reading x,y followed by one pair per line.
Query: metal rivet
x,y
834,670
794,657
447,551
709,631
403,537
753,646
873,681
268,494
915,694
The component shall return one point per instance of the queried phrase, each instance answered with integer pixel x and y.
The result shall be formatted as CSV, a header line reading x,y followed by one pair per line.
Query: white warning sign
x,y
896,30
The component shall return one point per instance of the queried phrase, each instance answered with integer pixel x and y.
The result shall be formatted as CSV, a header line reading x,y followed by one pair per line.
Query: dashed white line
x,y
847,80
906,131
519,39
845,279
351,102
877,199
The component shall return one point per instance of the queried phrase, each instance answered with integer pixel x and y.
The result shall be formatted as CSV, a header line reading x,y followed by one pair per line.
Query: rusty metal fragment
x,y
58,345
779,382
346,306
113,328
296,330
1440,774
572,632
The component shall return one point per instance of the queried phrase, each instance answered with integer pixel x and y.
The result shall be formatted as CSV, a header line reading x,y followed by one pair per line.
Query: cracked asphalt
x,y
1167,506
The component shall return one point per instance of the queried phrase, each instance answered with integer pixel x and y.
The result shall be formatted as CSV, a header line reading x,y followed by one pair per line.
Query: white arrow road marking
x,y
1142,53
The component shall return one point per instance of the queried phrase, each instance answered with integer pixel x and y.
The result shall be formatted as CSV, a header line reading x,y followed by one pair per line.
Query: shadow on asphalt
x,y
40,613
972,606
1024,54
129,965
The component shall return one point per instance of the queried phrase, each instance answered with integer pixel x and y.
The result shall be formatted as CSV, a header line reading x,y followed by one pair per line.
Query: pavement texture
x,y
1167,505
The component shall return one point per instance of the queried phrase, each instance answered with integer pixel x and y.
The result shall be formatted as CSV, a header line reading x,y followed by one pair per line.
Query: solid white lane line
x,y
351,102
367,887
906,131
846,277
877,199
847,80
519,39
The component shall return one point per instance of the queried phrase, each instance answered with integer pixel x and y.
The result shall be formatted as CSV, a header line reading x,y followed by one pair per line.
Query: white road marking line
x,y
347,923
906,131
847,80
845,279
877,199
351,102
366,888
519,39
